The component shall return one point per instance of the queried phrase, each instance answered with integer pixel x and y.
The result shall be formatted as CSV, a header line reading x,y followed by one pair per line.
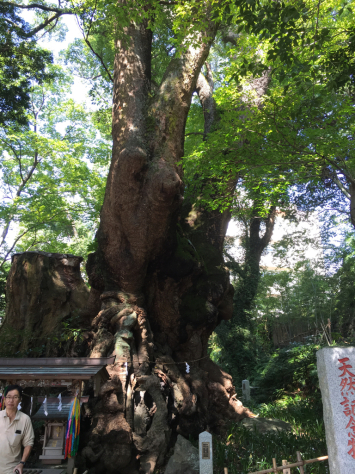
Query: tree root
x,y
151,396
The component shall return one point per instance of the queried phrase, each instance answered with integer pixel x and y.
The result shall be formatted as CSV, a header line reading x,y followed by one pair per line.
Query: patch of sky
x,y
70,31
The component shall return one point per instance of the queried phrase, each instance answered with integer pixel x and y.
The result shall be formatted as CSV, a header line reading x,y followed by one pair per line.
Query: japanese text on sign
x,y
347,387
206,451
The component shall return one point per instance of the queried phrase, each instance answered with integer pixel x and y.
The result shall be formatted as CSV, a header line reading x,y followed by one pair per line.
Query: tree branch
x,y
12,23
234,265
30,228
340,185
204,89
4,260
48,21
194,133
269,223
45,8
86,39
339,168
18,194
99,58
179,82
44,24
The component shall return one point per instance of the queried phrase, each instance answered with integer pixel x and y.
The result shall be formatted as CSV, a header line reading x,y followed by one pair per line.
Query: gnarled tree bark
x,y
158,273
43,291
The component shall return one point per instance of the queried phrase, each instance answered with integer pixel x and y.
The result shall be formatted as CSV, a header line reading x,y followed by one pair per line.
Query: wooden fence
x,y
286,468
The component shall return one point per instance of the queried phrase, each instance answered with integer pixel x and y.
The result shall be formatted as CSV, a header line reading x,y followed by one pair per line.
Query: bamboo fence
x,y
286,468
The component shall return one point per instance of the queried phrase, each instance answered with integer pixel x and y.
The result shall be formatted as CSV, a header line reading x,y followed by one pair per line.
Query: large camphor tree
x,y
157,278
158,282
159,286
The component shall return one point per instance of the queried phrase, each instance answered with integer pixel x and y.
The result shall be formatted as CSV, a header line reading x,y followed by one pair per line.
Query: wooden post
x,y
70,466
226,470
274,465
97,384
246,390
287,470
300,463
299,458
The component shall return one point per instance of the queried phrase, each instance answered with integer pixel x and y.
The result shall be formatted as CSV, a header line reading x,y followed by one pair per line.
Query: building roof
x,y
81,368
54,361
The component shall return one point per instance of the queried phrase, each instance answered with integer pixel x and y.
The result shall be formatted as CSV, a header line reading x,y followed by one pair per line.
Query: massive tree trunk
x,y
45,294
158,274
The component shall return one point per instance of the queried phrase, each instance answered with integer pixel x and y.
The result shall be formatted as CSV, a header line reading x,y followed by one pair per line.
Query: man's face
x,y
12,399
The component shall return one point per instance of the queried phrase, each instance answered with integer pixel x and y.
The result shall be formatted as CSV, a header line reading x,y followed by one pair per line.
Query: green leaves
x,y
302,33
246,450
53,175
21,62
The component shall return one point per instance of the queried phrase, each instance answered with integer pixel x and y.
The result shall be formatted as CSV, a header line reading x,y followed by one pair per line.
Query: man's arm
x,y
25,456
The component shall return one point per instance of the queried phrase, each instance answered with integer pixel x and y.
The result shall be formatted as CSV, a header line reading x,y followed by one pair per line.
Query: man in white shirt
x,y
15,432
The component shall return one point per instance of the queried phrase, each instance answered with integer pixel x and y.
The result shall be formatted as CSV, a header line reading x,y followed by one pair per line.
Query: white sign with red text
x,y
336,373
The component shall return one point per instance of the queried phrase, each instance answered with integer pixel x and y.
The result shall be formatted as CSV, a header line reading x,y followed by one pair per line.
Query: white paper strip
x,y
45,406
60,406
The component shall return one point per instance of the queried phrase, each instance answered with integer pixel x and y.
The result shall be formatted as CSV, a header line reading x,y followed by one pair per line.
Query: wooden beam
x,y
45,377
97,384
295,464
54,362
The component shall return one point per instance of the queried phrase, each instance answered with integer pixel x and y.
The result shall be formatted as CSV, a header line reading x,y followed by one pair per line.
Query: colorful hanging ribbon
x,y
73,430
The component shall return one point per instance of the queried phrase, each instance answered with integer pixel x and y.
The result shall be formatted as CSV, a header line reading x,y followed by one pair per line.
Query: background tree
x,y
255,239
